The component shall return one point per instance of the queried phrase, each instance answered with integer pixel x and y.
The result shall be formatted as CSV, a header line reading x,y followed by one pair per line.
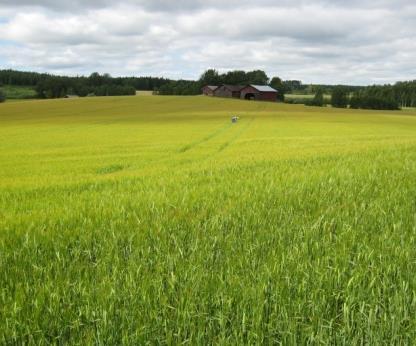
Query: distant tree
x,y
370,98
107,79
293,85
318,100
309,90
257,77
2,96
95,79
210,77
355,101
235,77
180,87
239,77
277,84
339,97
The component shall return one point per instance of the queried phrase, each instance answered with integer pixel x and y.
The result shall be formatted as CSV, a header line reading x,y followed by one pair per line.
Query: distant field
x,y
299,96
144,92
327,97
156,220
18,92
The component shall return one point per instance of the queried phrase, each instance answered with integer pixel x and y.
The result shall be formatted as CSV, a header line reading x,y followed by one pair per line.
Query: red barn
x,y
228,91
208,90
259,92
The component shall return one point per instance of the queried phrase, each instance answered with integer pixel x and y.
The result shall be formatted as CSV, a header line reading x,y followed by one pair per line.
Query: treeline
x,y
56,87
213,77
237,77
388,97
382,97
401,94
51,86
404,93
180,87
297,87
377,97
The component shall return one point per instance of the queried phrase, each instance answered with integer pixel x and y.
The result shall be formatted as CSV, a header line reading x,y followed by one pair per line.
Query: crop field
x,y
155,220
144,92
301,98
14,92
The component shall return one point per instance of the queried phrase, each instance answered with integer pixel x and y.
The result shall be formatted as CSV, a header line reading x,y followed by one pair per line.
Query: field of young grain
x,y
156,220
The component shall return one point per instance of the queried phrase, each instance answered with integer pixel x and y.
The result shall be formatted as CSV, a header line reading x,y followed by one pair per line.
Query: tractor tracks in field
x,y
210,136
176,154
180,157
237,135
241,128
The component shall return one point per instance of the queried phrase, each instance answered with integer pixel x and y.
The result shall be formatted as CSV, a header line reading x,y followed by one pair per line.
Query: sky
x,y
317,41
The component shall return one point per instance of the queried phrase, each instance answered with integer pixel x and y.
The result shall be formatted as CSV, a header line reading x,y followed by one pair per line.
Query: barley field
x,y
155,220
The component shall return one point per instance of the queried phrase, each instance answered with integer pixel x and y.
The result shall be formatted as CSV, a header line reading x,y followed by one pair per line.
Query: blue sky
x,y
320,41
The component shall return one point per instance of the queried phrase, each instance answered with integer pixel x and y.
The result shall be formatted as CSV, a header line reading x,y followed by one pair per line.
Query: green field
x,y
15,92
144,92
301,98
155,220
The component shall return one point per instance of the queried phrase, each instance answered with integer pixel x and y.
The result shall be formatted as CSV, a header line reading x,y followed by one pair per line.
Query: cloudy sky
x,y
325,41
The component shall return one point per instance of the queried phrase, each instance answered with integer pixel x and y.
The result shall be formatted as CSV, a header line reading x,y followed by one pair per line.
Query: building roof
x,y
264,88
212,87
233,87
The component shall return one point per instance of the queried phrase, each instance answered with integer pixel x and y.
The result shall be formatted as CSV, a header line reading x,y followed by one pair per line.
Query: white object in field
x,y
234,119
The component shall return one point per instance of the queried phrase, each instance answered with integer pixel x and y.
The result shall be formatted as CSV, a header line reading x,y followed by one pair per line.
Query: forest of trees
x,y
401,94
339,98
180,87
237,77
388,97
383,97
318,100
2,96
50,86
213,77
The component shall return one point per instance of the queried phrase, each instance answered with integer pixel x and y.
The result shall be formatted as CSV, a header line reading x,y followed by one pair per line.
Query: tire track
x,y
225,145
212,135
260,108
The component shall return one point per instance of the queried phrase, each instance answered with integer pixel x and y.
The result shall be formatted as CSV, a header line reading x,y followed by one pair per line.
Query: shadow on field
x,y
236,136
214,134
110,169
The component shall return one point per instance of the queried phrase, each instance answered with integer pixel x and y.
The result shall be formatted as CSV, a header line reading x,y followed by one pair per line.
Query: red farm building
x,y
259,93
228,91
208,90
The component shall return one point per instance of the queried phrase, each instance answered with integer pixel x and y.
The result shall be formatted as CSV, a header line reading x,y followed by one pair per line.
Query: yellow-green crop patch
x,y
134,220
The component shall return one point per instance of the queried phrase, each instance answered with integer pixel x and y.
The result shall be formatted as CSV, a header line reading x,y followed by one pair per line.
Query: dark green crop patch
x,y
110,169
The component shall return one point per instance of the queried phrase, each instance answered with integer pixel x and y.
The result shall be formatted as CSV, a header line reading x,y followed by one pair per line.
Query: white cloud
x,y
317,41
